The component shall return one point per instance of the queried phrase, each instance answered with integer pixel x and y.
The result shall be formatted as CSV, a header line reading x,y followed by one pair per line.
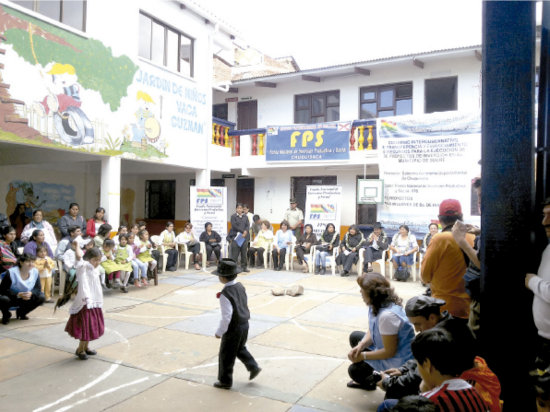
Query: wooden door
x,y
245,192
247,115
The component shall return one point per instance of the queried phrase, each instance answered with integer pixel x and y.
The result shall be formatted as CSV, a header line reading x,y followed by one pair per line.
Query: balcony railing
x,y
220,131
362,137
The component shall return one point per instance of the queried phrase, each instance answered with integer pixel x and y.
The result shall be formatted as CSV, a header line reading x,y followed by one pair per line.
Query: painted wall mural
x,y
52,198
58,89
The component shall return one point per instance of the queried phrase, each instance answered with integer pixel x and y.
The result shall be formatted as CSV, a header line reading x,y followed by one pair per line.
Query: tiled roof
x,y
263,75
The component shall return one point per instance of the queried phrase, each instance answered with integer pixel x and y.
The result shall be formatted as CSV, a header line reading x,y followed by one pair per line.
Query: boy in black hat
x,y
233,328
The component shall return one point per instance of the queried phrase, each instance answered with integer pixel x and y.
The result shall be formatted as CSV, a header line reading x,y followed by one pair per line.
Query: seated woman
x,y
20,288
193,245
387,343
18,220
403,246
70,219
349,249
283,240
329,240
433,230
95,222
304,244
212,241
37,239
261,243
168,241
8,248
38,222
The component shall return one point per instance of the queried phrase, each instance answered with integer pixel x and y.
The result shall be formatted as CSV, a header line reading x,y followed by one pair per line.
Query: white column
x,y
202,178
110,189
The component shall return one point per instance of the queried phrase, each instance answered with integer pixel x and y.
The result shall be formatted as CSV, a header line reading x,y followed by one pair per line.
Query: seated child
x,y
123,257
112,269
233,328
440,361
45,266
122,230
137,265
145,248
102,234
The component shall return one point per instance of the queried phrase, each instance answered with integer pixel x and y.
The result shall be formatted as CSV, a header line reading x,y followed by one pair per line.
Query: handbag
x,y
323,248
401,274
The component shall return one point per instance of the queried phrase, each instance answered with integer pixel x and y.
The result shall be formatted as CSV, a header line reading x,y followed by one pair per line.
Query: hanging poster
x,y
307,142
426,159
208,204
323,206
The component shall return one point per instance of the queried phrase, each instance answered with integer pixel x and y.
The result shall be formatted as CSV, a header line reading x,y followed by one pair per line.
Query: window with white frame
x,y
70,12
165,45
317,107
385,100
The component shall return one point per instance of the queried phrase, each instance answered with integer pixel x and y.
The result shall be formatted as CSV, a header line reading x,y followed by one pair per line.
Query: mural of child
x,y
63,101
147,126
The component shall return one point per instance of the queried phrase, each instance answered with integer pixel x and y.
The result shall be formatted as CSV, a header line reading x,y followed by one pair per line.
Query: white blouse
x,y
89,292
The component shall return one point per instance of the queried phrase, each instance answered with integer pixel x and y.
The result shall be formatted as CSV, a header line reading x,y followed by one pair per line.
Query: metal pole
x,y
543,138
508,69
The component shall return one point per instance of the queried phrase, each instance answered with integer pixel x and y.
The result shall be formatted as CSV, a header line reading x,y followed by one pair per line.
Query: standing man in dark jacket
x,y
239,225
377,242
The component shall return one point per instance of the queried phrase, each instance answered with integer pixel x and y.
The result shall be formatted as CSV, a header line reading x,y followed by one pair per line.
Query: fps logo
x,y
202,201
314,216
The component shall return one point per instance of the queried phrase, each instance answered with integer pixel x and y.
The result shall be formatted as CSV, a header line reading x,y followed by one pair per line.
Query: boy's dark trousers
x,y
233,346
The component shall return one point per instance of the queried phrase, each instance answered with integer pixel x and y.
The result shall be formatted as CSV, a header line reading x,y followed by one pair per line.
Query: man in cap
x,y
444,264
295,217
233,327
377,242
424,312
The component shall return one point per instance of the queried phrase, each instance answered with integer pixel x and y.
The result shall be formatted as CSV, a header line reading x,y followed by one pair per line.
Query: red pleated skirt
x,y
87,325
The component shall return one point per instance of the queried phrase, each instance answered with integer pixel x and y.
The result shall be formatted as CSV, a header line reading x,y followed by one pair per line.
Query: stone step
x,y
13,118
5,99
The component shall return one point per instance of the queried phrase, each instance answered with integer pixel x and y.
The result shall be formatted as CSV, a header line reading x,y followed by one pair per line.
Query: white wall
x,y
137,183
276,105
84,176
272,191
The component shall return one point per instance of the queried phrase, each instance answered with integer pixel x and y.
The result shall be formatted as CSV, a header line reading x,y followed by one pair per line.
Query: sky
x,y
324,33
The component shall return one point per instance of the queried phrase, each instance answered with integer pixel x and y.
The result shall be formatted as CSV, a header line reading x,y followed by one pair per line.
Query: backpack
x,y
401,274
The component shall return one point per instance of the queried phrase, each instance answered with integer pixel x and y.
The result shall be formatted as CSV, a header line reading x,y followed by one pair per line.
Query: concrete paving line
x,y
327,376
267,358
114,366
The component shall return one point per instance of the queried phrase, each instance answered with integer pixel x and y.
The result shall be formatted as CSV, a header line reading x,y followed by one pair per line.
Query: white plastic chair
x,y
62,278
413,266
156,241
288,256
183,251
310,259
330,260
381,262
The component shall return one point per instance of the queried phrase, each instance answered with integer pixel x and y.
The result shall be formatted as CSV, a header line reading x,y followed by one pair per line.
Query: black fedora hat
x,y
226,267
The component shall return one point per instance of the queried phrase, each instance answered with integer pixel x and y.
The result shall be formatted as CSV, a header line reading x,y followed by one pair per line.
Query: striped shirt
x,y
457,395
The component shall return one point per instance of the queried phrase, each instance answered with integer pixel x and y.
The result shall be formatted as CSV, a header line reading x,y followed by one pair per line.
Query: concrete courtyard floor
x,y
159,351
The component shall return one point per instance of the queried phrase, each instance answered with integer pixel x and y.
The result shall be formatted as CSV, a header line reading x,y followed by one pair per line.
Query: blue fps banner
x,y
308,142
